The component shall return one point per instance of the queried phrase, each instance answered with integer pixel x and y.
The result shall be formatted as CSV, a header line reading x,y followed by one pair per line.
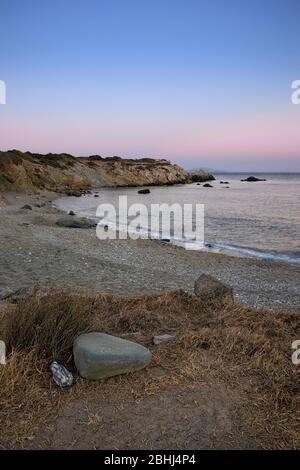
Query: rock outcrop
x,y
28,172
200,176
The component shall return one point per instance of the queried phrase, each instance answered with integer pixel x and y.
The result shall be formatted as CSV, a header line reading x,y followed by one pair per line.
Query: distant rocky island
x,y
27,172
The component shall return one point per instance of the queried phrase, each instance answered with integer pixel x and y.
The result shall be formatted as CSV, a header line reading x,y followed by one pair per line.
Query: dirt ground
x,y
202,418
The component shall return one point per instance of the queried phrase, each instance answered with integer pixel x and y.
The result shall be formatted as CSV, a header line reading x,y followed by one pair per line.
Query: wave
x,y
287,257
293,258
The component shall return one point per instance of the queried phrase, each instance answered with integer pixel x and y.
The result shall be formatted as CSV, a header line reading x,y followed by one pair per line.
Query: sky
x,y
202,83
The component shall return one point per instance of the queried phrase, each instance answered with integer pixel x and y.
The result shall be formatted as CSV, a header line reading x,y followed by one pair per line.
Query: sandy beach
x,y
35,250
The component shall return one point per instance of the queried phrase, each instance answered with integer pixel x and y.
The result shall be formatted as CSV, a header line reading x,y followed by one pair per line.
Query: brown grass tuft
x,y
47,323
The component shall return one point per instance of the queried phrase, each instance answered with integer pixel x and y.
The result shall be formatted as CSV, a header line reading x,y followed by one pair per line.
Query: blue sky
x,y
202,83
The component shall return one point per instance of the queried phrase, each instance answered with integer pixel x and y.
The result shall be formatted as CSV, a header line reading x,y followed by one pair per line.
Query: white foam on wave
x,y
253,253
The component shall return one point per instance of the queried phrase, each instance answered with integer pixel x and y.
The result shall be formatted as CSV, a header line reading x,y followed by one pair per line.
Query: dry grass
x,y
47,323
247,350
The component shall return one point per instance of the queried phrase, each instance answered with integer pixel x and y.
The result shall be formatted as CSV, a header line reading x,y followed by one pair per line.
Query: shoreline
x,y
35,250
262,244
209,247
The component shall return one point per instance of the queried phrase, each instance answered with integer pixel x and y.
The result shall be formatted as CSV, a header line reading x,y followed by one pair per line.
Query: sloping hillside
x,y
27,172
59,172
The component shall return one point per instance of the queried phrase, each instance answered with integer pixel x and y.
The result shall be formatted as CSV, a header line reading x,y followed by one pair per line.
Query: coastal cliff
x,y
27,172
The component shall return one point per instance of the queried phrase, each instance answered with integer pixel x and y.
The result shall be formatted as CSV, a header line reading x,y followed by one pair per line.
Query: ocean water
x,y
259,219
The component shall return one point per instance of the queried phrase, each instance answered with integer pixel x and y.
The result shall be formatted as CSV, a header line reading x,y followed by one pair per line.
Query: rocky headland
x,y
28,172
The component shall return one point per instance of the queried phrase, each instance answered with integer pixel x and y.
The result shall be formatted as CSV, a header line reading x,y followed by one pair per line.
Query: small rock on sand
x,y
15,296
61,376
144,191
27,207
209,289
165,338
75,223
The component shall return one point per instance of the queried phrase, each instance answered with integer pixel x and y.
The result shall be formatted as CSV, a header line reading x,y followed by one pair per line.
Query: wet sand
x,y
34,250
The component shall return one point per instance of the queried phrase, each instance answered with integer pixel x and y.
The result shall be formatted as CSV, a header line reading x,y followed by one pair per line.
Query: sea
x,y
251,219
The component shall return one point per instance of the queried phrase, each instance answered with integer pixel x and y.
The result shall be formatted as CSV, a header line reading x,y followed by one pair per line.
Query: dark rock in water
x,y
77,223
71,213
98,355
144,191
27,207
207,185
165,240
96,195
198,184
210,289
224,182
200,176
251,179
74,193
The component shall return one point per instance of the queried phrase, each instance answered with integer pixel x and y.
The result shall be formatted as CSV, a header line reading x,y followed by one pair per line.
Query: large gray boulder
x,y
98,355
210,289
